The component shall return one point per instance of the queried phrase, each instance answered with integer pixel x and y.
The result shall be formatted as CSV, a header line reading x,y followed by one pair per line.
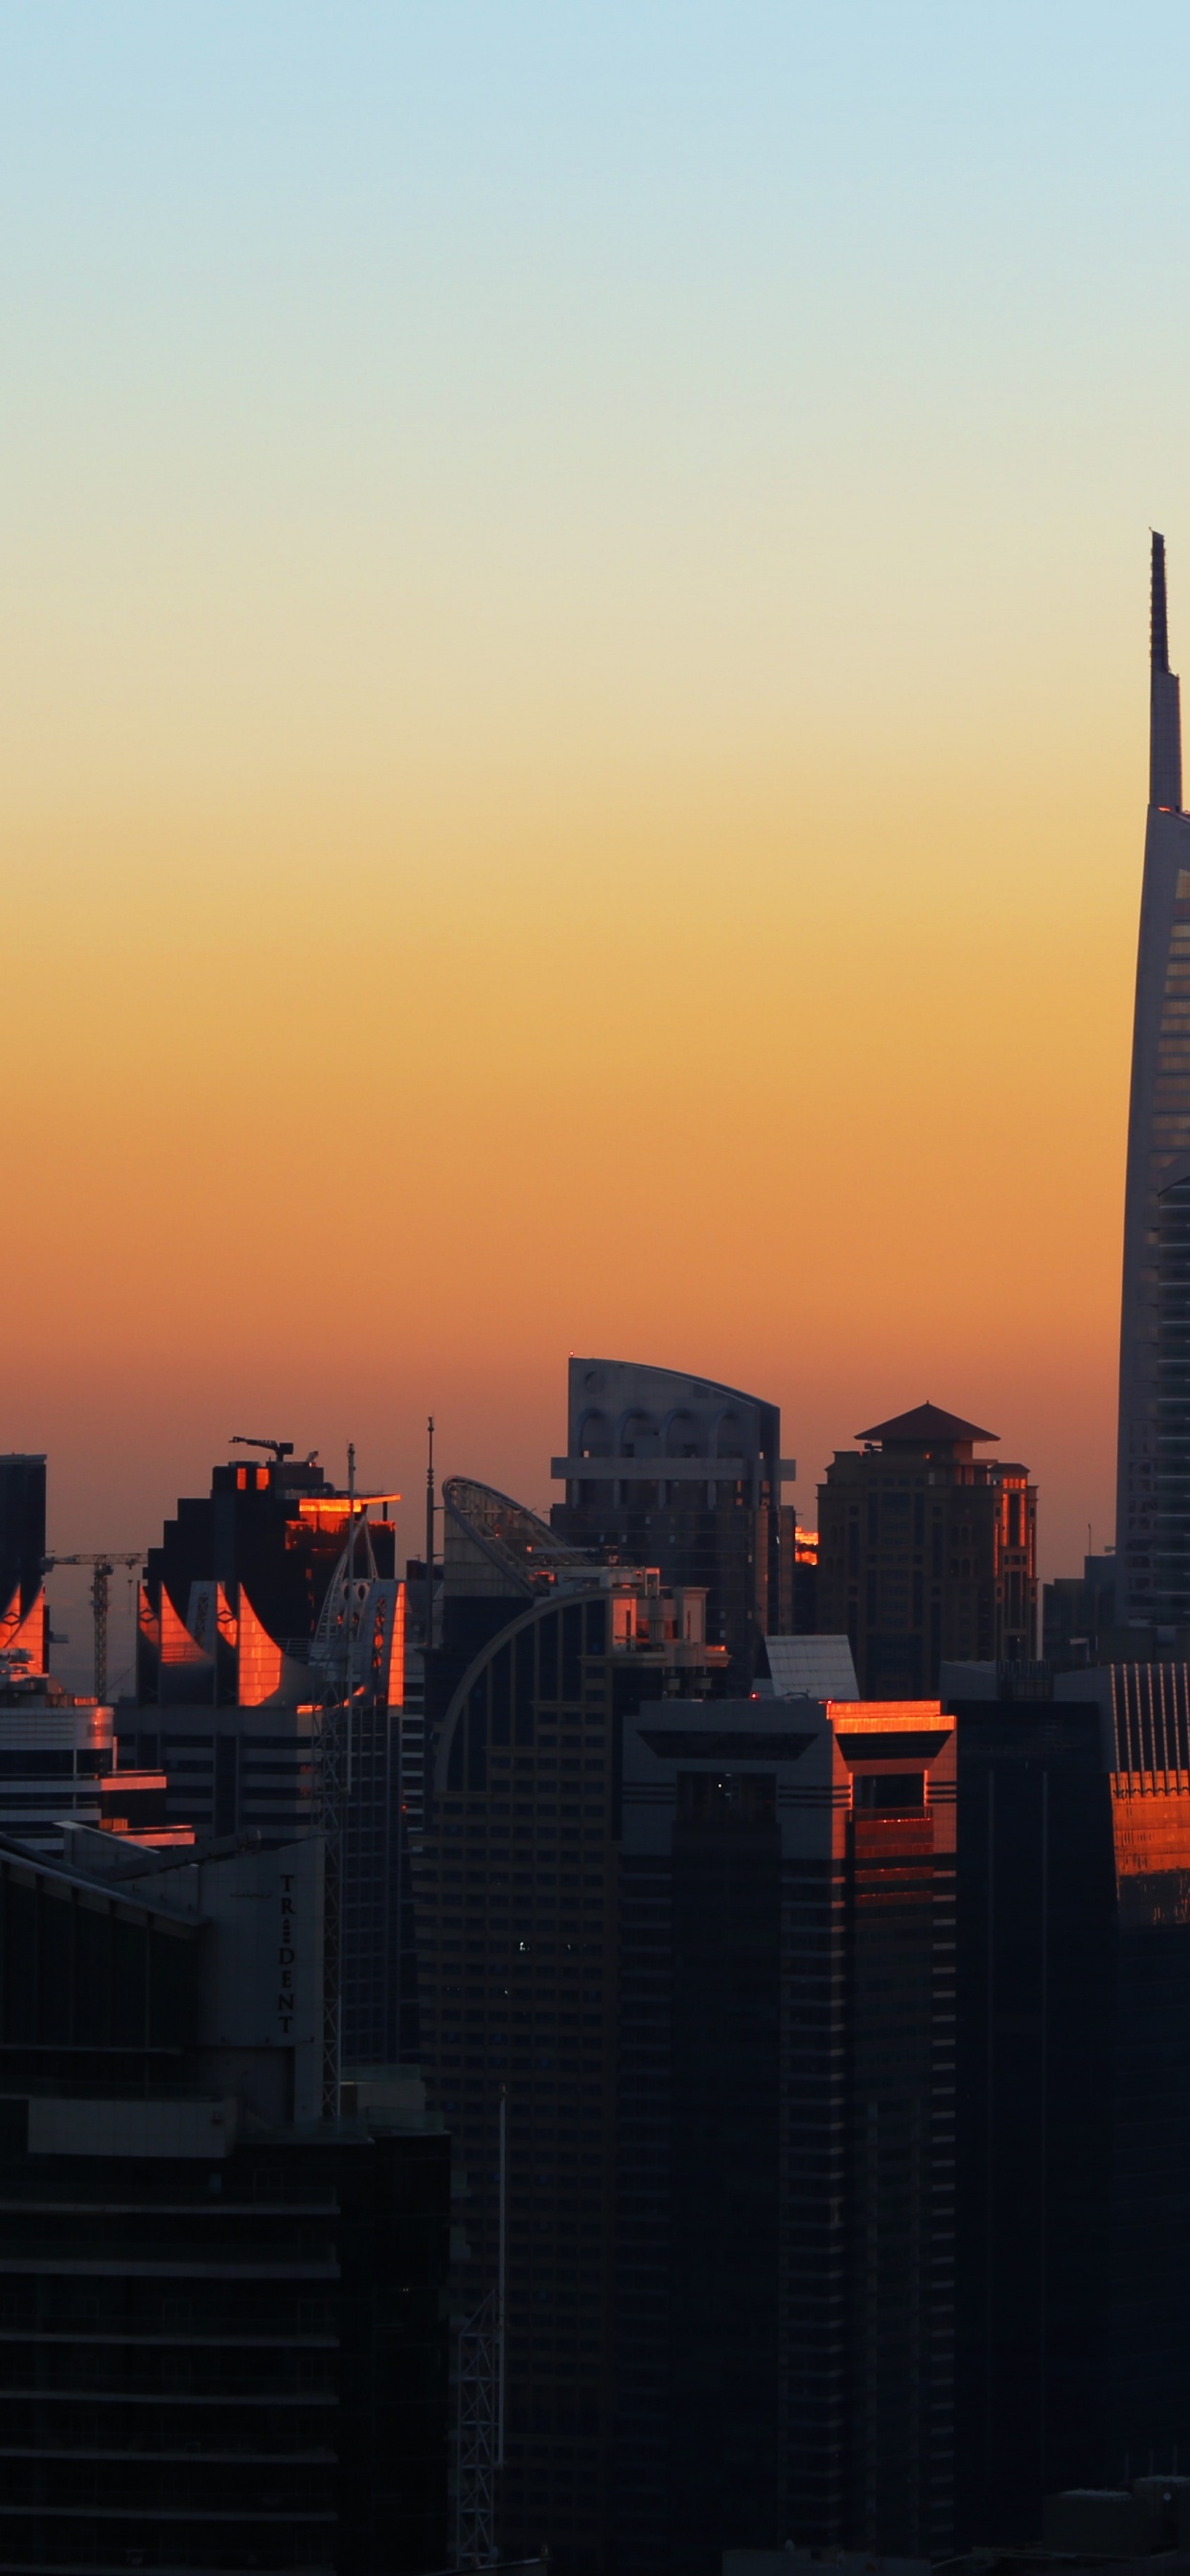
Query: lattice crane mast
x,y
104,1565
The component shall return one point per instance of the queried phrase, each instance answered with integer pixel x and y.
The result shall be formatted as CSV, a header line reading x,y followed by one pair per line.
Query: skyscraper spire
x,y
1165,719
1158,623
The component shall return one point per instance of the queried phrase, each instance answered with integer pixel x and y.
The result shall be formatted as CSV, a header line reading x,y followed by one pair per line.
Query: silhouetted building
x,y
1171,1500
1078,1610
1073,2088
786,2135
517,1886
241,1578
1158,1117
676,1471
243,1617
220,2334
926,1552
24,1624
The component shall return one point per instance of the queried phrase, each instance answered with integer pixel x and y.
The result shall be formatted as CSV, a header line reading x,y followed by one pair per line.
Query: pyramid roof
x,y
925,1426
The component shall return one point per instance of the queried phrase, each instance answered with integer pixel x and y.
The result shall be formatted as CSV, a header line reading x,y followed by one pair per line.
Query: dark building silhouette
x,y
24,1624
268,1538
221,2342
1073,2020
785,2130
1078,1613
1158,1116
769,2349
1171,1500
517,1927
242,1618
926,1552
675,1471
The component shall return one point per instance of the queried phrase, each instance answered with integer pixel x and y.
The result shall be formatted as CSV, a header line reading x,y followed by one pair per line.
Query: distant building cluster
x,y
655,2038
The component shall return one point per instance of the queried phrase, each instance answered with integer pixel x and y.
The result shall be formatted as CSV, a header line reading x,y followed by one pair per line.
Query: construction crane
x,y
248,1440
104,1567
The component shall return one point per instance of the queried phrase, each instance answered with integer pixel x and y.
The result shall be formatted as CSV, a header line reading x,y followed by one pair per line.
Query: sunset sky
x,y
574,628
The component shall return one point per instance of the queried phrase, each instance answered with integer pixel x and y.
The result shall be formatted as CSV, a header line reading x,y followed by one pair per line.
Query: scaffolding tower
x,y
481,2412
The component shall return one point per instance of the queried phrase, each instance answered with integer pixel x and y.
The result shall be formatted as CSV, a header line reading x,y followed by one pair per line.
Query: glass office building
x,y
785,2161
1073,1985
517,1935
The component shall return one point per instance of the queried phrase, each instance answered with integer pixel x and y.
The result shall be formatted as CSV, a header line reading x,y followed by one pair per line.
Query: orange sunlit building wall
x,y
260,1658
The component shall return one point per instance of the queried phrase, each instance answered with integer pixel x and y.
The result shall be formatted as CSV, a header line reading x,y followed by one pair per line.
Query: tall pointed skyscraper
x,y
1158,1116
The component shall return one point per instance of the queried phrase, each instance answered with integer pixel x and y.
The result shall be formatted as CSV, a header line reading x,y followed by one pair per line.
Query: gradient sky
x,y
574,627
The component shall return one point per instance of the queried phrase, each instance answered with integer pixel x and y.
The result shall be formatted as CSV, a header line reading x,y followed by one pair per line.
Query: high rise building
x,y
926,1552
785,2130
1073,2085
243,1611
24,1624
1170,1599
221,2333
517,1930
1159,1111
679,1472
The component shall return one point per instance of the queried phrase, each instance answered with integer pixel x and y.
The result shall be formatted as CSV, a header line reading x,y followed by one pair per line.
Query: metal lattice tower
x,y
480,2341
333,1654
104,1568
481,2413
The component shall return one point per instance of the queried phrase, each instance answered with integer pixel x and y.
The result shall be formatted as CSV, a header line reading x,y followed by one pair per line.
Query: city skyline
x,y
549,591
594,1957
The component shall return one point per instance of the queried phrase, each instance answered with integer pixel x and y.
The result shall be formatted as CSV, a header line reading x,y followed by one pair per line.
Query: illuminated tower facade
x,y
1158,1117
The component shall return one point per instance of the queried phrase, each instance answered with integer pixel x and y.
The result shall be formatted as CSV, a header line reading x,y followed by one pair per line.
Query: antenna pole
x,y
349,1655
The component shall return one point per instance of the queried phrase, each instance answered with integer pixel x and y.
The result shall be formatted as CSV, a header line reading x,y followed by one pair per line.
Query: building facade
x,y
926,1553
785,2165
1073,1984
517,1938
245,1617
676,1471
221,2334
58,1768
1169,1606
24,1623
1158,1114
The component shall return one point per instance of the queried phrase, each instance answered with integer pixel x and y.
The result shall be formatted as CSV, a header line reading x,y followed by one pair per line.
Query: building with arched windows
x,y
666,1469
